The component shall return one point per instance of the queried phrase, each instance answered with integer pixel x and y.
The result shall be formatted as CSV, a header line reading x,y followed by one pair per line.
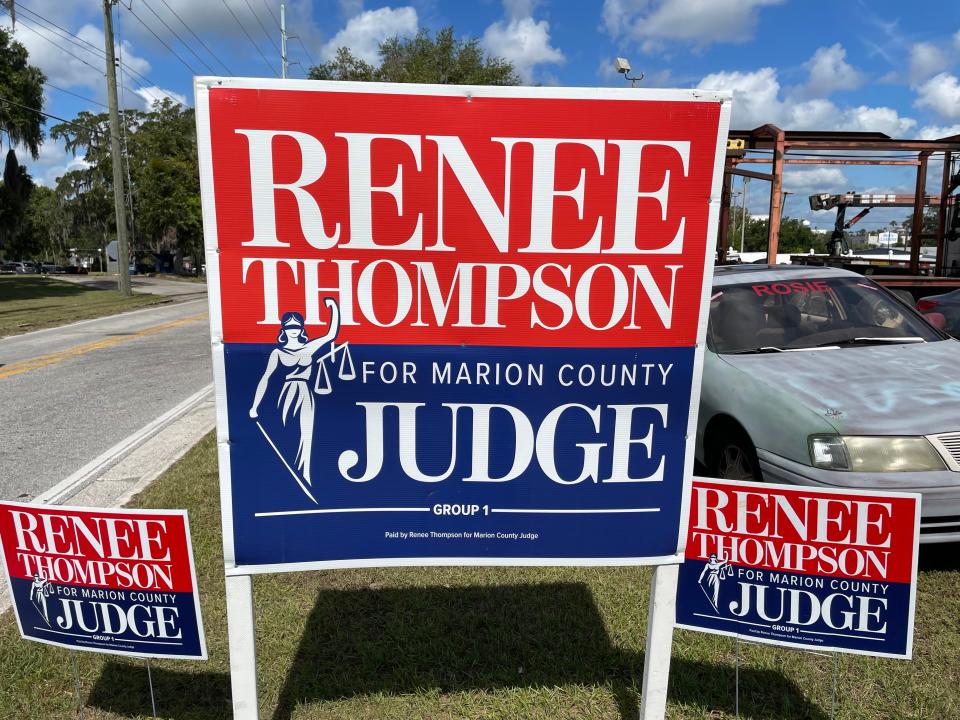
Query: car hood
x,y
907,389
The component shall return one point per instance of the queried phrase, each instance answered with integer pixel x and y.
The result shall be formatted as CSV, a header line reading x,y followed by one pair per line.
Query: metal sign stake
x,y
736,692
76,682
153,702
836,669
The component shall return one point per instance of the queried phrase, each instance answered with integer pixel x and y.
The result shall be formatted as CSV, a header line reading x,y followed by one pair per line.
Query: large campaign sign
x,y
801,566
105,580
456,325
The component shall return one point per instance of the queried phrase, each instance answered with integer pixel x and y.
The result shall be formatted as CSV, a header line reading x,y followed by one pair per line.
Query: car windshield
x,y
804,314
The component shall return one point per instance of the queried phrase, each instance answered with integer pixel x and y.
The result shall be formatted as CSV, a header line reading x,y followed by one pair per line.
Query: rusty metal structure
x,y
777,148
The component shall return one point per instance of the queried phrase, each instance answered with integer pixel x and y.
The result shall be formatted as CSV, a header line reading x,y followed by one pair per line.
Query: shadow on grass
x,y
407,640
398,641
123,688
39,288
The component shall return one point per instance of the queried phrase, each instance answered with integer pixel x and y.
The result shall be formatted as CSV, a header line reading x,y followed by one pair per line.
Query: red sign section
x,y
96,548
442,220
831,535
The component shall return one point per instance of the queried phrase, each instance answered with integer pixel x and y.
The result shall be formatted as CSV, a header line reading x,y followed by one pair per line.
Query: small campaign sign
x,y
105,580
456,325
805,567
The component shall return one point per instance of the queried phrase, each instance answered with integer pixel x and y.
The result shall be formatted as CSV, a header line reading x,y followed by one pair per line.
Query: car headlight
x,y
874,453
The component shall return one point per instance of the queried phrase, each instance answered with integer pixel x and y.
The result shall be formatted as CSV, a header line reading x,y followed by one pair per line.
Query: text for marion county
x,y
387,292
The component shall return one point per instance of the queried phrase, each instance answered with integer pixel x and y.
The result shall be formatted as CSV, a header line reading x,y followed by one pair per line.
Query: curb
x,y
76,482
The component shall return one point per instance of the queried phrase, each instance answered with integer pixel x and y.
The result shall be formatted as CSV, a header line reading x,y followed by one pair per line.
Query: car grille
x,y
949,446
940,525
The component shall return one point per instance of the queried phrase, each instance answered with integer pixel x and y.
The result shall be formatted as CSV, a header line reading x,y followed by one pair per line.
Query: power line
x,y
160,40
293,37
57,45
76,95
309,56
174,33
256,47
276,20
98,50
197,38
64,30
257,18
49,115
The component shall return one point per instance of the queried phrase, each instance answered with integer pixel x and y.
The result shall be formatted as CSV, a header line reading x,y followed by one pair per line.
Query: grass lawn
x,y
31,302
493,643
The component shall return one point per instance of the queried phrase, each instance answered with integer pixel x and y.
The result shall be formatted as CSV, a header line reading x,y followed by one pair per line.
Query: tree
x,y
14,195
795,237
21,97
441,59
165,185
44,220
21,91
164,170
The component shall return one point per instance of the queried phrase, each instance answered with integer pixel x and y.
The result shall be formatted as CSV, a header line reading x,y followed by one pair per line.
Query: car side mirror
x,y
938,320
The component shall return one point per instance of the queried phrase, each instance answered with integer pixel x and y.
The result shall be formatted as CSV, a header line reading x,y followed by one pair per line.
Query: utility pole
x,y
123,246
283,40
743,211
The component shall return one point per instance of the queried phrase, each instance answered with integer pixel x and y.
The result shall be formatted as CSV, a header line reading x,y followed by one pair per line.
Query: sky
x,y
800,64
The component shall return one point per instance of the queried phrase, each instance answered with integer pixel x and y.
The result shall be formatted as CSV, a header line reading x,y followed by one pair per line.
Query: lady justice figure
x,y
295,354
715,571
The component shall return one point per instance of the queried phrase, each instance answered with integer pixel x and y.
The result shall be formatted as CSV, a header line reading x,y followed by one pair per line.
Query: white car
x,y
818,376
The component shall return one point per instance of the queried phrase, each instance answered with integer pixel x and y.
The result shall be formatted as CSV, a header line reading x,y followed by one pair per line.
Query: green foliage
x,y
442,59
21,88
20,83
14,196
162,155
795,237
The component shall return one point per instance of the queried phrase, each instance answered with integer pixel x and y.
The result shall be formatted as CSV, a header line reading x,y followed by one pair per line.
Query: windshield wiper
x,y
871,341
770,348
894,340
755,351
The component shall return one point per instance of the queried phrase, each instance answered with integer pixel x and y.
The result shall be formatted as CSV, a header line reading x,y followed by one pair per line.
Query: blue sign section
x,y
815,611
439,452
123,622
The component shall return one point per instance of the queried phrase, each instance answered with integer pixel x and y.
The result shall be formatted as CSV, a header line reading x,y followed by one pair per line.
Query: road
x,y
71,393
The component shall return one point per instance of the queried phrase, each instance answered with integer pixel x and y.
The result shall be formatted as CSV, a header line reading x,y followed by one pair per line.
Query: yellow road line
x,y
57,357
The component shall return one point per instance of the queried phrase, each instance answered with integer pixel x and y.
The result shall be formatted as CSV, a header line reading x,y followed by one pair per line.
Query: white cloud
x,y
757,100
941,93
692,21
517,9
84,67
53,162
926,60
755,94
864,118
829,71
349,8
807,181
363,33
523,42
153,94
935,132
